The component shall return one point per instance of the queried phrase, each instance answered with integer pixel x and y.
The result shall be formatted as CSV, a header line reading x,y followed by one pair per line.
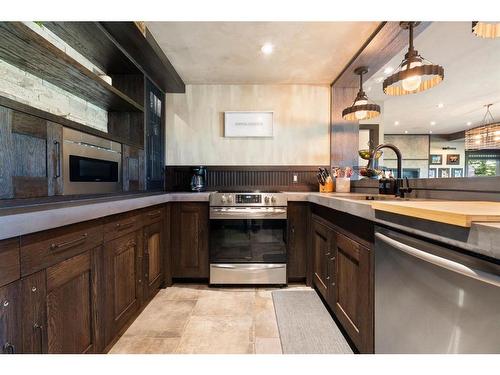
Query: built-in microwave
x,y
90,164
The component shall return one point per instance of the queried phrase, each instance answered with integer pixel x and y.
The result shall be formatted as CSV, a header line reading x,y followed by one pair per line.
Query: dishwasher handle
x,y
450,265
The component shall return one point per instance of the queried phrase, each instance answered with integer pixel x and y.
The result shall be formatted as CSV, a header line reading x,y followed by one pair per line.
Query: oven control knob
x,y
273,199
230,199
223,199
266,199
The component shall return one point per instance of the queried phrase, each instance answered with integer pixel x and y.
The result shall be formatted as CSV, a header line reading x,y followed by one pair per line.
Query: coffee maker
x,y
198,179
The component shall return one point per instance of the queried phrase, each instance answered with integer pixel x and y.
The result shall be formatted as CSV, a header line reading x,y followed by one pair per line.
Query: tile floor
x,y
197,319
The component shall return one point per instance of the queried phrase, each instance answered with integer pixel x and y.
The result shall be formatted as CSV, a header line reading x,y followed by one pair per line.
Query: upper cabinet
x,y
155,136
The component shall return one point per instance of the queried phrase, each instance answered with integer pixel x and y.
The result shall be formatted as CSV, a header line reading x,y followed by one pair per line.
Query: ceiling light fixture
x,y
433,123
388,70
360,108
267,48
440,105
396,123
414,74
484,137
469,123
488,30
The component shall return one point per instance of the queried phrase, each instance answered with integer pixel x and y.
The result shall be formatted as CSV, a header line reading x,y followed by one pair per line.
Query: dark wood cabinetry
x,y
342,275
155,135
154,251
133,168
298,225
10,319
34,313
189,240
123,281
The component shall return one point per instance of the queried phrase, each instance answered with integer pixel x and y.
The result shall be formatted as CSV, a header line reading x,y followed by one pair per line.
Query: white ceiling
x,y
229,52
472,79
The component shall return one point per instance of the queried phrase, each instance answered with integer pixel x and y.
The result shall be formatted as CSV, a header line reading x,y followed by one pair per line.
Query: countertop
x,y
482,238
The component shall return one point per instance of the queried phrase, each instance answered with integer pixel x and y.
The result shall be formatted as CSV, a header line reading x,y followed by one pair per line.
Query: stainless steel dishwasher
x,y
432,299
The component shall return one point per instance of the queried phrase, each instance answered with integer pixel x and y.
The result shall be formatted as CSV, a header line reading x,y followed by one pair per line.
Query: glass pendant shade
x,y
488,30
484,137
415,74
361,109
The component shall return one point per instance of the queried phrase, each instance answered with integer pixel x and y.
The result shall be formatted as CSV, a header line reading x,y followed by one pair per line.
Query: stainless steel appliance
x,y
198,179
433,299
248,238
90,164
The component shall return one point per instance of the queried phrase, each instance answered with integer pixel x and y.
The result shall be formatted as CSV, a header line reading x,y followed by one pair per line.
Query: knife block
x,y
327,187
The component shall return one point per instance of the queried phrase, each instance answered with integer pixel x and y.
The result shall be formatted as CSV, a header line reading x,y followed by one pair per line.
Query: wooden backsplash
x,y
177,178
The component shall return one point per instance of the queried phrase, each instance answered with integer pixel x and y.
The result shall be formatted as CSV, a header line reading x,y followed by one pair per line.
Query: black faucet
x,y
389,185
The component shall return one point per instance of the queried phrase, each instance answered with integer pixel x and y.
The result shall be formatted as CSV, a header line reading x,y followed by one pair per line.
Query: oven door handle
x,y
238,266
450,265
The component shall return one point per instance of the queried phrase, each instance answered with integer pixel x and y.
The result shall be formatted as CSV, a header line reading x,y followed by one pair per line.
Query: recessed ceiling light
x,y
267,48
430,131
406,131
388,70
396,123
469,123
433,123
440,105
368,89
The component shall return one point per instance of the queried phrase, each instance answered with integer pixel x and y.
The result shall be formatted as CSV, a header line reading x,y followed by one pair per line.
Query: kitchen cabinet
x,y
189,240
298,219
133,163
123,281
321,240
10,315
154,249
72,305
155,140
34,313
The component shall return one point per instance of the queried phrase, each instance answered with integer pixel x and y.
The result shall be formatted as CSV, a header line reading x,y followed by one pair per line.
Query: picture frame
x,y
453,159
457,172
432,173
444,172
248,124
435,159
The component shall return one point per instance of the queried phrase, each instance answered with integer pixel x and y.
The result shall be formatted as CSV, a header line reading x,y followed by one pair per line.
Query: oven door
x,y
252,239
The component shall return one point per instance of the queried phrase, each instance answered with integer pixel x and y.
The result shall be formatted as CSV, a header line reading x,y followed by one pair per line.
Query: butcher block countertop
x,y
460,213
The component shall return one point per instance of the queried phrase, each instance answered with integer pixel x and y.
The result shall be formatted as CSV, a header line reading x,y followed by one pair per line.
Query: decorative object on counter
x,y
325,181
248,124
432,172
365,154
486,136
369,172
199,179
360,108
488,30
415,74
342,179
453,159
457,172
444,172
435,159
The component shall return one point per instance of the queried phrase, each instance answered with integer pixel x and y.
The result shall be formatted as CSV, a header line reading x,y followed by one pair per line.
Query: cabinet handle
x,y
5,303
122,226
328,277
327,254
57,144
70,243
332,258
40,328
9,348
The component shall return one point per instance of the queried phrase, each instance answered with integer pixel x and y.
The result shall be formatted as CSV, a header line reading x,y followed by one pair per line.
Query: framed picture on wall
x,y
457,172
248,124
453,159
435,159
432,172
444,172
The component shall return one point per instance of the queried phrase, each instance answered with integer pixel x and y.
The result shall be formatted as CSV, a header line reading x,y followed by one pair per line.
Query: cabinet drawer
x,y
153,215
119,225
44,249
9,261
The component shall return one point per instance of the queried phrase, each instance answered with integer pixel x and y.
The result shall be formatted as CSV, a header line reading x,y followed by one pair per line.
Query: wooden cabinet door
x,y
352,291
190,240
10,314
71,305
133,168
321,239
123,281
298,217
34,313
153,258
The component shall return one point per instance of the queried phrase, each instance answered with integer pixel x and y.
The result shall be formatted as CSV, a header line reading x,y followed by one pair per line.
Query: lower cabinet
x,y
123,281
10,315
34,313
71,304
297,219
189,240
342,275
153,264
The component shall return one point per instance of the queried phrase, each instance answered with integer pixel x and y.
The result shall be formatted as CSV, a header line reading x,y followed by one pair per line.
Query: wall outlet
x,y
295,178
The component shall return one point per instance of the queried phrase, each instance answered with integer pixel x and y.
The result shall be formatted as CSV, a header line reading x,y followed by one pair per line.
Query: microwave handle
x,y
450,265
57,145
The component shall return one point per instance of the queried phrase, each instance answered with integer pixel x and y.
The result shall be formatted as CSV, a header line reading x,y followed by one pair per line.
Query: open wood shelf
x,y
24,48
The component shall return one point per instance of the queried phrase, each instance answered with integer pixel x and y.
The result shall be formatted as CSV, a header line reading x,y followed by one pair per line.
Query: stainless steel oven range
x,y
248,238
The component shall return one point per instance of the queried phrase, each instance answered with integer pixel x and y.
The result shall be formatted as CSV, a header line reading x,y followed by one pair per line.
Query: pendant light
x,y
360,108
486,29
414,74
486,136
